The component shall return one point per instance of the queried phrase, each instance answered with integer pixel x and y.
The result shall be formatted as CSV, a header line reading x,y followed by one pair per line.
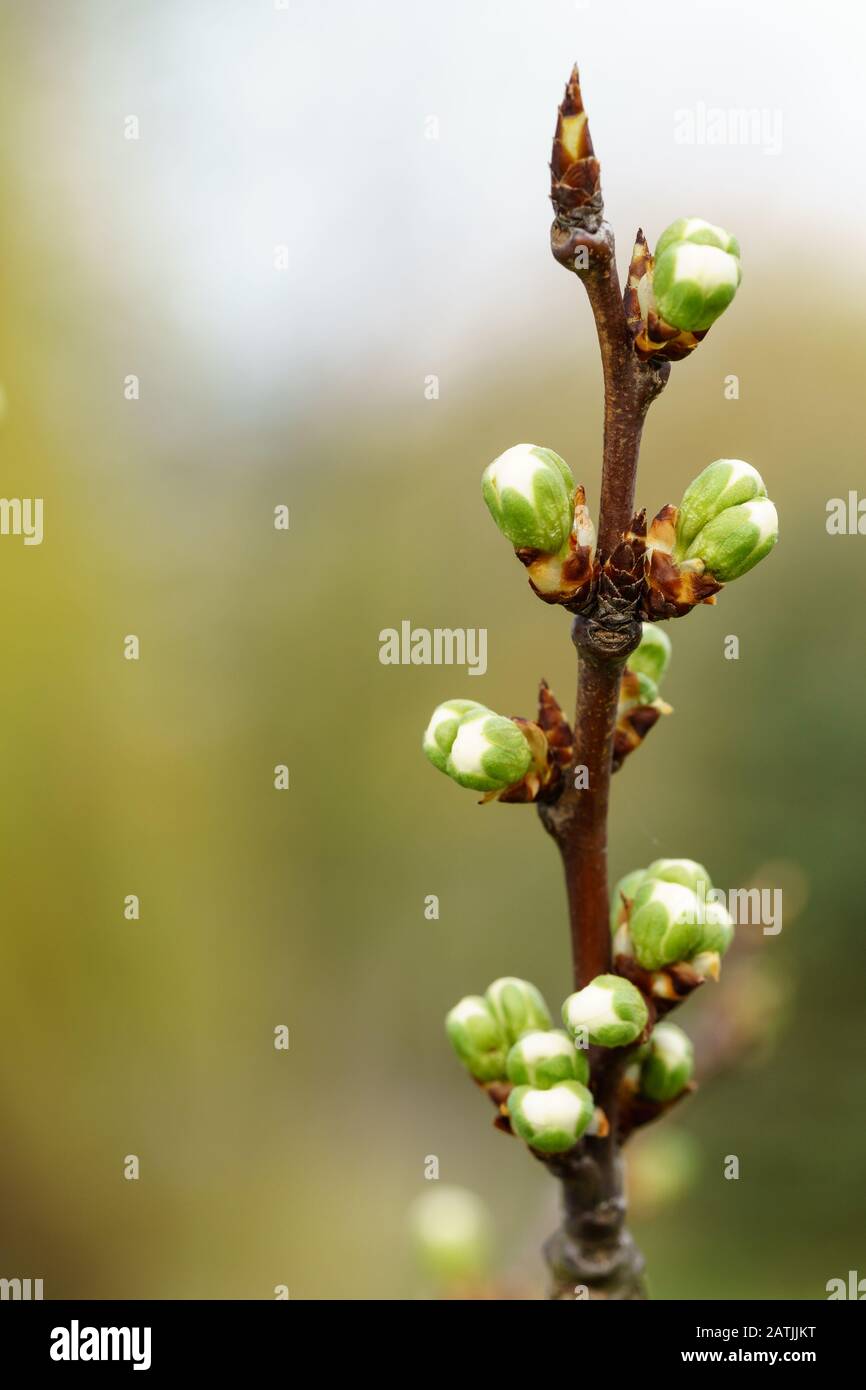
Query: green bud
x,y
735,540
651,658
669,1064
724,483
610,1009
451,1233
699,233
687,872
551,1121
664,923
517,1006
442,729
542,1059
695,274
488,752
647,690
477,1038
716,931
626,888
529,492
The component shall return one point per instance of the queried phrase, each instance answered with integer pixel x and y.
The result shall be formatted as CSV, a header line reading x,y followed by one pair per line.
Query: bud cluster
x,y
723,527
507,1037
666,914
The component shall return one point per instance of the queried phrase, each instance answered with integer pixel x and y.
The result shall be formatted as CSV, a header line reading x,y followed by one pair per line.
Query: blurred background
x,y
327,205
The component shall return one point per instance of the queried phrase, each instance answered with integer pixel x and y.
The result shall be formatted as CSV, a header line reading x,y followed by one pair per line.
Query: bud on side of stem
x,y
652,656
716,932
722,484
686,872
477,1038
623,894
736,540
668,1066
551,1121
696,273
518,1007
529,492
442,729
663,924
541,1059
611,1010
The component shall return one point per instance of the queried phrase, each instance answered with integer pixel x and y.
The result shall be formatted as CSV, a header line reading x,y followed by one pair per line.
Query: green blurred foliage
x,y
307,908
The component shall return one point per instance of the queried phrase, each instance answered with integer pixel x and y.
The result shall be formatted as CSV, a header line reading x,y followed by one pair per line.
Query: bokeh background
x,y
307,127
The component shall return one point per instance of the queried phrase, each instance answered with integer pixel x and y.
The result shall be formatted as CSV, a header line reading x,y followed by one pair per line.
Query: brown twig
x,y
592,1246
606,634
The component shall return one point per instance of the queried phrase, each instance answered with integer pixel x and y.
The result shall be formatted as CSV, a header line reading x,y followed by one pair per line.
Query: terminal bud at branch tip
x,y
575,175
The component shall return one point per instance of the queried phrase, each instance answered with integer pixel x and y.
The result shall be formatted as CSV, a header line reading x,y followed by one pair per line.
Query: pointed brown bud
x,y
551,719
575,176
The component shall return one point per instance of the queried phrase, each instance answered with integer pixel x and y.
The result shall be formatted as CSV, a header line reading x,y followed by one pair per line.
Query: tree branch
x,y
605,635
592,1246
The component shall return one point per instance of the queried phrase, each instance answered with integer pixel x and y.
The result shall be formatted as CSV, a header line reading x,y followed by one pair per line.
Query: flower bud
x,y
529,492
477,1038
647,689
451,1233
610,1009
698,233
722,484
542,1059
651,658
518,1007
687,872
696,272
716,931
488,752
442,729
735,540
626,888
551,1121
664,923
669,1063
